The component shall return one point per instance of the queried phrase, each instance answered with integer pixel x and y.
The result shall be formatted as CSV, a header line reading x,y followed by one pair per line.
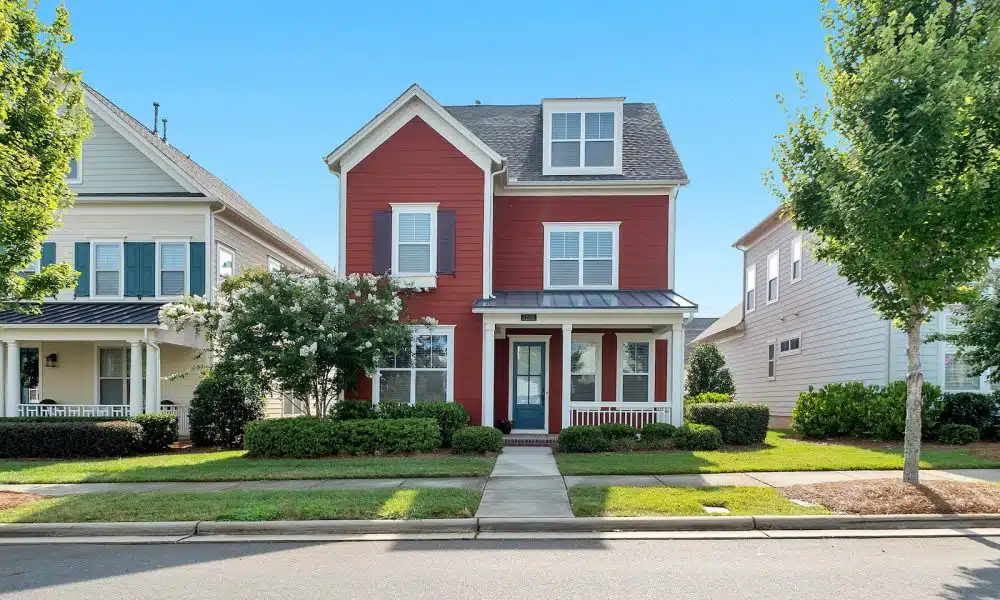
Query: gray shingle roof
x,y
87,313
515,132
213,184
586,299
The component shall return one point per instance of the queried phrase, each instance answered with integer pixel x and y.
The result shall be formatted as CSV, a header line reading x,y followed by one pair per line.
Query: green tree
x,y
978,339
898,173
42,126
707,372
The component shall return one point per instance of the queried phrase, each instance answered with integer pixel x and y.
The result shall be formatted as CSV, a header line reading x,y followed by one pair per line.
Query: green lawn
x,y
231,466
289,505
779,453
616,501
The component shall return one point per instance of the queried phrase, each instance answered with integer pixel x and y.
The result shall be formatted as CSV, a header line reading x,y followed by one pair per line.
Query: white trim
x,y
637,187
187,265
582,107
777,278
601,226
79,170
789,338
796,247
427,279
447,330
93,267
219,248
273,264
675,368
547,340
598,340
750,287
489,372
342,247
488,233
622,339
772,363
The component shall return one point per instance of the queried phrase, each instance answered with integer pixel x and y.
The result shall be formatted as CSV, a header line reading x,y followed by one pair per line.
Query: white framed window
x,y
32,269
114,374
108,277
796,267
750,301
75,174
422,373
273,264
771,358
582,137
171,268
414,242
585,367
227,262
772,277
635,367
958,375
581,255
790,345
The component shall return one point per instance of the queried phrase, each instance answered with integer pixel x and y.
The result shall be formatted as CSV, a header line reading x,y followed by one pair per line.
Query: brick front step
x,y
529,439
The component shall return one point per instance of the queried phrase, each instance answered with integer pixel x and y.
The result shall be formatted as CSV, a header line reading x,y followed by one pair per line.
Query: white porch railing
x,y
628,413
181,411
102,410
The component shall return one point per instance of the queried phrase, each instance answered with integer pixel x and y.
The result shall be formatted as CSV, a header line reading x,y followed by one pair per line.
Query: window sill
x,y
417,281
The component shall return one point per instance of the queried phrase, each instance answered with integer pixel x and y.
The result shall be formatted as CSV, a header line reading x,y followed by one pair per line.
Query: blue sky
x,y
258,93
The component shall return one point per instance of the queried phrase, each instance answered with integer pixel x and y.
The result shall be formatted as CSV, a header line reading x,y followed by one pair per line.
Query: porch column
x,y
3,402
675,383
567,368
152,378
489,369
13,379
135,379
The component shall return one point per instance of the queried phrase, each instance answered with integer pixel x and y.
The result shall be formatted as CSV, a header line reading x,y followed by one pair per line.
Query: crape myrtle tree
x,y
42,126
898,172
307,336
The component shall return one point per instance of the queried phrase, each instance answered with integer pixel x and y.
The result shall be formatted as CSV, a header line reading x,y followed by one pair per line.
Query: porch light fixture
x,y
52,360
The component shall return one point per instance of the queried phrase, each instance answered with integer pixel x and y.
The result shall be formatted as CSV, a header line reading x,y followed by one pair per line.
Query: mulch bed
x,y
894,496
14,499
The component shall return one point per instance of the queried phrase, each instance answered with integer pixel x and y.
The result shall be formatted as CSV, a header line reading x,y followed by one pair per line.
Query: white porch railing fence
x,y
627,413
103,410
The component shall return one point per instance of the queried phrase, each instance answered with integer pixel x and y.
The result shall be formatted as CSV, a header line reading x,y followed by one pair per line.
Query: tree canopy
x,y
707,372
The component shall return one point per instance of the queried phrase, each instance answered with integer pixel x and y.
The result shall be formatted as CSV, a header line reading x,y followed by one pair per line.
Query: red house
x,y
544,236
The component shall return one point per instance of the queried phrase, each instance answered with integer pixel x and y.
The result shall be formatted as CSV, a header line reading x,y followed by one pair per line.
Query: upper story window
x,y
750,302
790,345
581,255
32,269
227,262
414,242
173,268
797,259
107,268
75,174
582,137
772,277
273,264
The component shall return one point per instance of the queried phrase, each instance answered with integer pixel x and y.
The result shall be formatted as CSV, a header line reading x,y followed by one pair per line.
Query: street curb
x,y
806,523
342,527
589,524
168,528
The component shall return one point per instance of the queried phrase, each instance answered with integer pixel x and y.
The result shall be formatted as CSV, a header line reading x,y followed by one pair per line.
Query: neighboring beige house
x,y
801,324
149,225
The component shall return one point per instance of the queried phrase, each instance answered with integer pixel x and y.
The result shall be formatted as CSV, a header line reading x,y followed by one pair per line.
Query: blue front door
x,y
529,385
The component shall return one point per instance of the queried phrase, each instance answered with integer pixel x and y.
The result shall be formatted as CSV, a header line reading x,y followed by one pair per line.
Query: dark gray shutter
x,y
446,242
381,241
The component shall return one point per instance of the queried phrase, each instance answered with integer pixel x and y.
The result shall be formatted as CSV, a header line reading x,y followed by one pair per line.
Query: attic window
x,y
582,137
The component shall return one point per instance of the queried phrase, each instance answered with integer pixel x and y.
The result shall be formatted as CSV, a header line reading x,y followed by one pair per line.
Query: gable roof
x,y
773,219
515,132
210,184
731,322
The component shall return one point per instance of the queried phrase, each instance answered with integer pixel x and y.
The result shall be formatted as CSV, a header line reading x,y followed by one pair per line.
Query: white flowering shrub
x,y
309,336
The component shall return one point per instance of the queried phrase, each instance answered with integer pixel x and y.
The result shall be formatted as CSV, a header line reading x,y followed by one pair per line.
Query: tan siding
x,y
250,252
72,381
176,360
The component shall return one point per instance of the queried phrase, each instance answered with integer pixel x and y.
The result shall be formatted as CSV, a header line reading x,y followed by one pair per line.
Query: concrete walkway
x,y
525,482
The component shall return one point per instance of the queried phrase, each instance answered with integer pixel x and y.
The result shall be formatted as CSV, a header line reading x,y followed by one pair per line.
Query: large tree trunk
x,y
914,404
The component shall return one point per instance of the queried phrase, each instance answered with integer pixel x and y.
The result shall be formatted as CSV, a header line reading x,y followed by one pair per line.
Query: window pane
x,y
796,269
772,266
106,283
172,257
564,244
598,244
565,126
112,391
431,386
597,272
635,357
635,388
394,386
415,227
399,360
750,300
772,289
225,263
957,375
600,154
583,388
432,352
172,283
414,258
107,257
564,272
112,362
565,154
584,358
535,360
600,126
793,344
74,169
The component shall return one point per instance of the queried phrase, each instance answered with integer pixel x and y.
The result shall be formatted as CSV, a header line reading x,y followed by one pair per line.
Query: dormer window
x,y
582,137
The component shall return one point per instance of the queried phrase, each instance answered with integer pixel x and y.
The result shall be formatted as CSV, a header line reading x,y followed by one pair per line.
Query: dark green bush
x,y
981,411
885,417
737,422
476,440
223,404
694,436
707,398
94,439
450,416
158,431
583,438
619,431
299,437
386,436
657,431
957,434
840,409
350,410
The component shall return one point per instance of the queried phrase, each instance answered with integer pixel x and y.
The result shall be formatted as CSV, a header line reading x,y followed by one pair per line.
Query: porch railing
x,y
103,410
181,411
628,413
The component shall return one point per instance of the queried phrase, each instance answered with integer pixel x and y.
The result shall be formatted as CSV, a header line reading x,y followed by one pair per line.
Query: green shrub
x,y
223,404
386,436
981,411
350,410
885,414
158,431
450,416
957,434
694,436
707,398
298,437
476,440
657,431
619,431
583,438
833,410
737,422
94,439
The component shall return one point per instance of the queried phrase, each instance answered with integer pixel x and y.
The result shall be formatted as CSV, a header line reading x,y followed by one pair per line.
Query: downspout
x,y
211,252
489,218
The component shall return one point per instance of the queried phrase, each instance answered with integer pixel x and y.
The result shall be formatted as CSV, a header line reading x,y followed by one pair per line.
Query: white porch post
x,y
489,368
676,379
3,402
13,379
135,379
152,378
567,360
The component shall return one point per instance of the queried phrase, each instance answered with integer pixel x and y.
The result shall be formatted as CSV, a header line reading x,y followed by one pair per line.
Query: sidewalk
x,y
525,482
528,473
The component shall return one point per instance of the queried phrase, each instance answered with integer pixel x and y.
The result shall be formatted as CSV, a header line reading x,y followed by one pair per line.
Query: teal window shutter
x,y
48,253
131,269
197,287
147,269
81,262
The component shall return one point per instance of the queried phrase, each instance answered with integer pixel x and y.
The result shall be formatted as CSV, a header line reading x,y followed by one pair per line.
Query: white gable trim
x,y
414,102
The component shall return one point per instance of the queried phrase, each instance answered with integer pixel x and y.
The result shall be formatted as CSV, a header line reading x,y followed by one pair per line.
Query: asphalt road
x,y
953,568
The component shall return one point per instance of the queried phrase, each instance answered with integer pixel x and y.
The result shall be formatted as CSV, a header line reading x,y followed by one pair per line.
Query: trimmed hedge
x,y
957,434
477,440
657,432
309,437
583,438
841,409
737,422
981,411
695,436
158,431
615,432
707,398
450,416
347,410
67,439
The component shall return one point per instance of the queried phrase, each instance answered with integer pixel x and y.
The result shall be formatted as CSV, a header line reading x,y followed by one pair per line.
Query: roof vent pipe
x,y
164,138
156,116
